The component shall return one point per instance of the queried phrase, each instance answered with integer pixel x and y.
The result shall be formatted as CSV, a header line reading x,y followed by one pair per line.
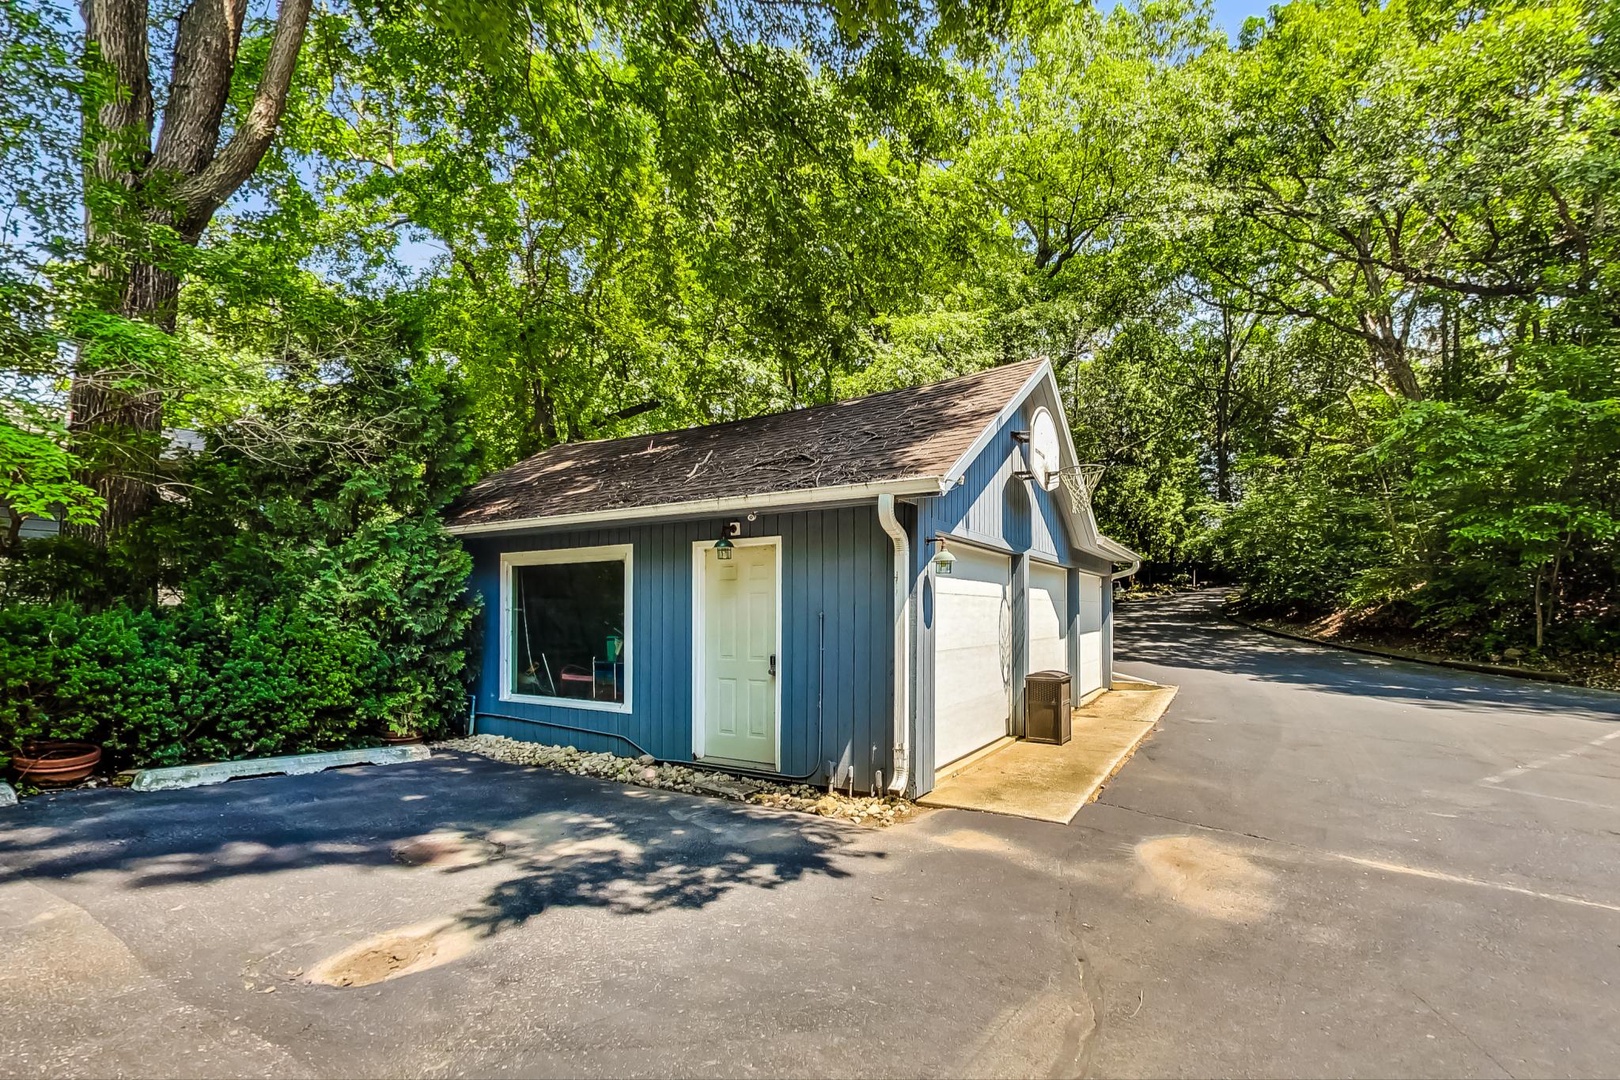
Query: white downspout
x,y
1136,564
902,644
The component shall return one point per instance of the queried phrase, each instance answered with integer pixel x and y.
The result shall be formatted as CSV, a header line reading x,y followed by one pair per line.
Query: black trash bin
x,y
1047,708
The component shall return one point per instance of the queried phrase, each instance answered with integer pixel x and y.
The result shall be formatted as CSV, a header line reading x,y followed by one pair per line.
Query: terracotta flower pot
x,y
54,763
400,740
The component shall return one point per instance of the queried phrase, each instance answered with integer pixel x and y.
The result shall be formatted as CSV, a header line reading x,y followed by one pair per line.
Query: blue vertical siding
x,y
836,654
993,508
835,703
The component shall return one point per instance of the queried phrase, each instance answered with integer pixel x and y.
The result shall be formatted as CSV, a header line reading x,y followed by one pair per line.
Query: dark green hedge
x,y
301,595
195,682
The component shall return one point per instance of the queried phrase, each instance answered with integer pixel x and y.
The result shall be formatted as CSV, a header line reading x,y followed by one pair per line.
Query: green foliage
x,y
1299,539
1521,493
319,600
200,682
1334,305
39,476
1134,415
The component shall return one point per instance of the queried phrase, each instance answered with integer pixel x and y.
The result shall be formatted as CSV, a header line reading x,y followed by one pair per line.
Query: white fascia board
x,y
1118,551
770,500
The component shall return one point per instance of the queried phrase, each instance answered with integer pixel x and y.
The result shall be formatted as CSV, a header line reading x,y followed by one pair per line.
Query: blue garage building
x,y
850,591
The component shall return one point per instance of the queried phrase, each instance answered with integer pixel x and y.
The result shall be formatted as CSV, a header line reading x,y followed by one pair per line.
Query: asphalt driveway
x,y
1412,871
1319,865
620,931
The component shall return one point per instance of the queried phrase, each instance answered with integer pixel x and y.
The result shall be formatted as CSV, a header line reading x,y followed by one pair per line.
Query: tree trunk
x,y
1539,623
1554,597
120,430
545,430
1223,411
1450,350
1389,353
142,197
13,533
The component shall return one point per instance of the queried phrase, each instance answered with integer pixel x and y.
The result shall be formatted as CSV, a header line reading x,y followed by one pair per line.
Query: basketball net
x,y
1081,481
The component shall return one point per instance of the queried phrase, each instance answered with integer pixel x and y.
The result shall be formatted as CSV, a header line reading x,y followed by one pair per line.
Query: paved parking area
x,y
616,931
1317,865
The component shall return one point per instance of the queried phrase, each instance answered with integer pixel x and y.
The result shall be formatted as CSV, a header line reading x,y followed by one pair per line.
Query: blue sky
x,y
1231,13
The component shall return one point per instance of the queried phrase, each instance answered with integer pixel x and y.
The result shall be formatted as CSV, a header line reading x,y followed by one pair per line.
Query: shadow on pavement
x,y
1187,630
561,841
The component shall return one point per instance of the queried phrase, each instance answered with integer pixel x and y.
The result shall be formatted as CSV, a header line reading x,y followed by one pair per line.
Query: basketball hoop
x,y
1081,482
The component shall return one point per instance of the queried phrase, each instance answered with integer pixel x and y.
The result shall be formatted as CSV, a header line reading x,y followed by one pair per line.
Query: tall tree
x,y
152,183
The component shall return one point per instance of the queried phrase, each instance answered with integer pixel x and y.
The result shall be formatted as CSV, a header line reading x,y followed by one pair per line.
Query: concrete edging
x,y
1415,658
177,777
1158,709
8,794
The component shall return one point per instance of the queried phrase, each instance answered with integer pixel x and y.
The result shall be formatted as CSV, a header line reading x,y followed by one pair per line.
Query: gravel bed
x,y
647,772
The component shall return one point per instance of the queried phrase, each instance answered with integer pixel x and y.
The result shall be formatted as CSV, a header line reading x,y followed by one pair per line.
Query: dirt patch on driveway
x,y
1207,877
396,952
447,851
972,840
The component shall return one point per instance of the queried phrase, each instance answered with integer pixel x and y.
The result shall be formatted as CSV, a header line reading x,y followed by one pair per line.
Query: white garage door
x,y
972,654
1091,634
1048,618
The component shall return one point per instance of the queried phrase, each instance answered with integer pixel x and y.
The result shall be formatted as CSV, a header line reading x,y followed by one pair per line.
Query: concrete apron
x,y
1052,783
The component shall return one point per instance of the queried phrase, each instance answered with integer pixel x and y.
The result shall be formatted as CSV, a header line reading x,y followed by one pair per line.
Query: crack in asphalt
x,y
1469,1039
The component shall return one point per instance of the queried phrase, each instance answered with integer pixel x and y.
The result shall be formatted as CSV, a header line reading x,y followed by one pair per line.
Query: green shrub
x,y
320,603
276,680
201,681
70,674
1297,543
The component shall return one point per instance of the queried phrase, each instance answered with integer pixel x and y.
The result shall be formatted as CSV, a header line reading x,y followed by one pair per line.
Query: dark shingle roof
x,y
903,434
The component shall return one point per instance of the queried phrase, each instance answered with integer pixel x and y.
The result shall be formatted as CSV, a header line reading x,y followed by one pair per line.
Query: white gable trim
x,y
954,475
1082,522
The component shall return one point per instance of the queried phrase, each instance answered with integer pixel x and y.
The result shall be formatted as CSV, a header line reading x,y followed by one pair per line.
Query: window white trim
x,y
624,553
700,660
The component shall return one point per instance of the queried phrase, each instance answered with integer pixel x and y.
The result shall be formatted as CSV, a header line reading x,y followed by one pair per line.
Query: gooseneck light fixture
x,y
944,561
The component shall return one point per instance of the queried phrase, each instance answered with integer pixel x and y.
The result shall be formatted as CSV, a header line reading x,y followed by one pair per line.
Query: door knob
x,y
773,665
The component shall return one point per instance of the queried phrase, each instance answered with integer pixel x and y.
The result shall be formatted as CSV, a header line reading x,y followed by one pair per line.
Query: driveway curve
x,y
1351,866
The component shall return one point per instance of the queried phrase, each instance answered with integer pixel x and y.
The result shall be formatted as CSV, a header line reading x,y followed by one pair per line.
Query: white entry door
x,y
1048,618
972,654
737,639
1091,635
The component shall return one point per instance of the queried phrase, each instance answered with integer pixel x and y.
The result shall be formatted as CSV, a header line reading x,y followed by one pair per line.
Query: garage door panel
x,y
1091,636
972,654
1048,618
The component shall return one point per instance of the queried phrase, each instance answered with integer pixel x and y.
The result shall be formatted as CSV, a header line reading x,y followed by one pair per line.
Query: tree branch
x,y
205,192
204,58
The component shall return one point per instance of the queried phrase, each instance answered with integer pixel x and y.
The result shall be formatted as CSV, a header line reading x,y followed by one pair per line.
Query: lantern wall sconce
x,y
723,546
944,561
